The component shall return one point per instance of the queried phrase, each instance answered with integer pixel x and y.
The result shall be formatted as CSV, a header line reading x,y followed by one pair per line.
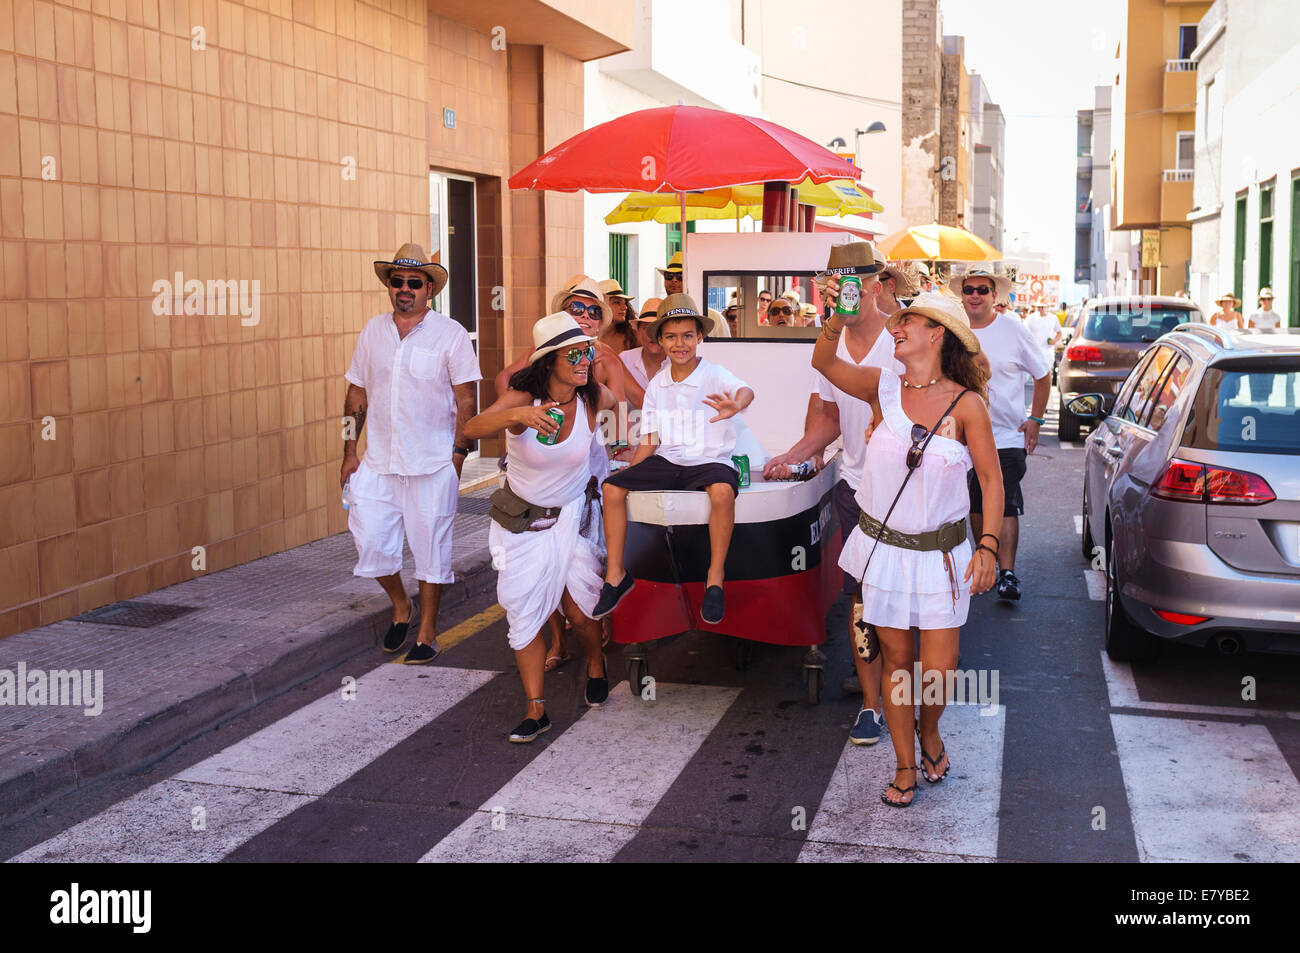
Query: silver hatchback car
x,y
1191,495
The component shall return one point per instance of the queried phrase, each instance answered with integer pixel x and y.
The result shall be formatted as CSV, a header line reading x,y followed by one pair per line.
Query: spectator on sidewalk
x,y
412,374
545,530
1012,353
1045,329
1265,319
764,302
1227,316
620,335
672,275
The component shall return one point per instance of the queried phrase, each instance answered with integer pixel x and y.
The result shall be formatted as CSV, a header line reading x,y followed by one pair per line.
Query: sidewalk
x,y
244,634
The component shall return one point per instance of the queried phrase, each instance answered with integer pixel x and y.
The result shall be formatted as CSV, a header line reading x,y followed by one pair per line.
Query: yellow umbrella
x,y
837,197
935,242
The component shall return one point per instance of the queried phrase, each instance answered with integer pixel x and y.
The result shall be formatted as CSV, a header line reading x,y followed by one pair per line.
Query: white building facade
x,y
1246,183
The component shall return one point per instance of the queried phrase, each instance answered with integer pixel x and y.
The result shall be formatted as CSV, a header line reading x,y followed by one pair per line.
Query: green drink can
x,y
742,467
850,298
558,416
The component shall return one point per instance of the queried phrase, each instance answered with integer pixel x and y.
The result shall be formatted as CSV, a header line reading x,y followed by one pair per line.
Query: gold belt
x,y
944,539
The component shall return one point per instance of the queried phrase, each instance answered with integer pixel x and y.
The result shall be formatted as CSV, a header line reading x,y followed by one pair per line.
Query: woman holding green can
x,y
545,531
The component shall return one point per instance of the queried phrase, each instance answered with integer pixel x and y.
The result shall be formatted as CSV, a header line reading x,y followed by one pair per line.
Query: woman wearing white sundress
x,y
934,426
545,529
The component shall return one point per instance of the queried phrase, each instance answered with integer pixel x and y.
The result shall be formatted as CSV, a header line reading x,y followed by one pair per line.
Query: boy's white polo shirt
x,y
411,422
675,410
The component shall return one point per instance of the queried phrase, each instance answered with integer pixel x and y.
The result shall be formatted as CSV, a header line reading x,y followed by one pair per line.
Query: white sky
x,y
1040,61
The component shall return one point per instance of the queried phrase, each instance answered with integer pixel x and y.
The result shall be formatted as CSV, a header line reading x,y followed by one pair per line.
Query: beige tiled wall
x,y
127,155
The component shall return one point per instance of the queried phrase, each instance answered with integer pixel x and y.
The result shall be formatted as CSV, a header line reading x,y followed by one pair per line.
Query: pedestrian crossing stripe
x,y
245,788
586,796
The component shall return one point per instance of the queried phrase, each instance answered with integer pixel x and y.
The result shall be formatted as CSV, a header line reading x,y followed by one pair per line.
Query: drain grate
x,y
139,615
473,506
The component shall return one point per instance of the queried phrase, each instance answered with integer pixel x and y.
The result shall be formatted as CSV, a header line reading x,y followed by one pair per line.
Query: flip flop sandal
x,y
906,790
559,660
934,762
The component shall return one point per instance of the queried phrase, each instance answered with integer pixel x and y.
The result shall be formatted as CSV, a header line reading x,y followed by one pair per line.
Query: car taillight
x,y
1181,618
1197,483
1082,353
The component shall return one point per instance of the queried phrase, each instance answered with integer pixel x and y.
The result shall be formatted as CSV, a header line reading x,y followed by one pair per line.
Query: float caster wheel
x,y
638,667
814,674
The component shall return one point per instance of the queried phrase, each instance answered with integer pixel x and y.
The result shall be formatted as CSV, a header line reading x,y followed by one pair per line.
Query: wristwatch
x,y
463,451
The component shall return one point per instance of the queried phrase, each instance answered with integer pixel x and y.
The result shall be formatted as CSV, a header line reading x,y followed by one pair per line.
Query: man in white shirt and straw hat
x,y
1012,353
413,377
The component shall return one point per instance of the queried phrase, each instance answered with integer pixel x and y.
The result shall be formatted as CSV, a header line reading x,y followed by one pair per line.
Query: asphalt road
x,y
1081,759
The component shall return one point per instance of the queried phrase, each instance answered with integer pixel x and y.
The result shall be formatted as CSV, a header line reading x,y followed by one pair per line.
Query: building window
x,y
1266,234
1239,245
1186,40
673,238
1186,150
618,258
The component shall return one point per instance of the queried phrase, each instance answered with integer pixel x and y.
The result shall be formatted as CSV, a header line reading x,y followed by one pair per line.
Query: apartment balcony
x,y
1083,165
1175,195
1179,86
1082,220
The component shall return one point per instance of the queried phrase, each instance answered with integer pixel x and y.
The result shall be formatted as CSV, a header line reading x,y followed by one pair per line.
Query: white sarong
x,y
534,569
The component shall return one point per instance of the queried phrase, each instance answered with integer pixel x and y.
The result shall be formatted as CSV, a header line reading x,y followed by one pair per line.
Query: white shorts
x,y
385,507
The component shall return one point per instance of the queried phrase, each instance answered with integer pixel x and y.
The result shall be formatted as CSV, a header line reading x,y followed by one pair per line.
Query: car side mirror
x,y
1087,407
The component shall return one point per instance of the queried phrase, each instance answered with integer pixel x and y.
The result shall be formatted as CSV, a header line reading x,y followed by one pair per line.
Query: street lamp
x,y
876,126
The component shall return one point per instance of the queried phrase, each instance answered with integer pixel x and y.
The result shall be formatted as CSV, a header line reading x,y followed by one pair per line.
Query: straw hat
x,y
556,331
1001,283
649,311
1265,293
720,329
610,288
674,265
941,309
678,306
1227,296
906,280
581,286
411,257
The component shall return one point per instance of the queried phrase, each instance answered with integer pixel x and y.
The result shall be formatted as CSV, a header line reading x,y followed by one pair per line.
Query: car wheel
x,y
1125,641
1087,542
1067,425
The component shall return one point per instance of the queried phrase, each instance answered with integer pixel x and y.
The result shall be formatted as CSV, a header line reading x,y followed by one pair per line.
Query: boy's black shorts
x,y
656,473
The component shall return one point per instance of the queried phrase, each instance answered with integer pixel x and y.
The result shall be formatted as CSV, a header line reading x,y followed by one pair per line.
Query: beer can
x,y
558,416
850,297
742,467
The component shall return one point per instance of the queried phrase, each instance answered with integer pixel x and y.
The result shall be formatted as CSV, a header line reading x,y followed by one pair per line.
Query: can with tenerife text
x,y
558,416
742,468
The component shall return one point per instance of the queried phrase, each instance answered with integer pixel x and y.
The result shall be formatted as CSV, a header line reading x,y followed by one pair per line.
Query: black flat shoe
x,y
611,596
395,638
713,606
420,654
597,691
530,728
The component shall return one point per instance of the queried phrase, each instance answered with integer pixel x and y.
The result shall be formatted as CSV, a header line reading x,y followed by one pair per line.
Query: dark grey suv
x,y
1191,495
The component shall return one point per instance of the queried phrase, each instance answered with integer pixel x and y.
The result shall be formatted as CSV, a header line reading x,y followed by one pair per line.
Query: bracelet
x,y
987,550
992,537
463,451
1038,420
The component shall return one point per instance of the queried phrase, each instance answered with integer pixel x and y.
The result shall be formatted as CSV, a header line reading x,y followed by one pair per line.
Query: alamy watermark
x,y
77,688
953,687
177,296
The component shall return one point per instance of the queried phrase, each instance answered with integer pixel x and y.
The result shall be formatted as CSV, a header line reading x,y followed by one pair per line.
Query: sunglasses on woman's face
x,y
575,355
780,311
578,309
415,284
919,433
